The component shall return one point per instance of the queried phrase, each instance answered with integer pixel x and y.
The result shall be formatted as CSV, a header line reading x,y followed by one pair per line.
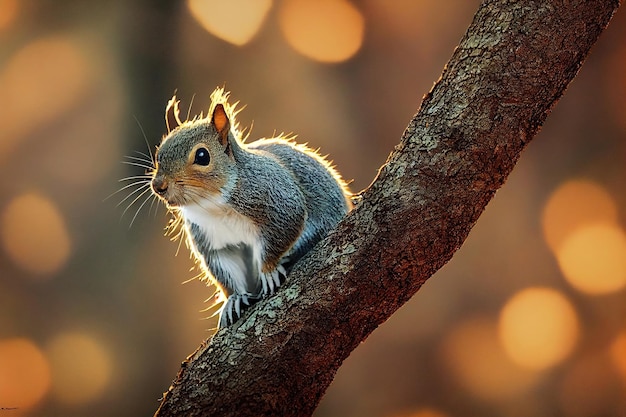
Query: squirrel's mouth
x,y
173,201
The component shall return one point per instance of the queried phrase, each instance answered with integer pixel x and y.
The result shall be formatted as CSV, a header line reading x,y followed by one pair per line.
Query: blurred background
x,y
528,319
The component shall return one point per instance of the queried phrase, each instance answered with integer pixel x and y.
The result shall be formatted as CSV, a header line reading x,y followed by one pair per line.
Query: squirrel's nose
x,y
159,185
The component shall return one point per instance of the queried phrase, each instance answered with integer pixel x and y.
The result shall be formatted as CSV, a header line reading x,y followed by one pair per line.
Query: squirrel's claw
x,y
281,270
236,304
245,299
230,312
276,278
272,280
268,283
234,307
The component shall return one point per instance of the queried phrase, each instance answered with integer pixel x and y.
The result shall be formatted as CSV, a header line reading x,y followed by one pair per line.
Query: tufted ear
x,y
172,114
222,124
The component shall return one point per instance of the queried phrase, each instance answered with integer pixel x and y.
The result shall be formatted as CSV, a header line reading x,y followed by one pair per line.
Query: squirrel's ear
x,y
221,123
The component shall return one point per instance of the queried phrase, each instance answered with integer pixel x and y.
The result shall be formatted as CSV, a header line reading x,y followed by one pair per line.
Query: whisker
x,y
135,199
142,160
141,182
145,156
154,198
136,177
137,164
145,138
140,155
133,184
136,183
139,209
144,187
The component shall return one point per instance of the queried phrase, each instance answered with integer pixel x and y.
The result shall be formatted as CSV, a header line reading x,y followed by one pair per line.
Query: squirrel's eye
x,y
202,157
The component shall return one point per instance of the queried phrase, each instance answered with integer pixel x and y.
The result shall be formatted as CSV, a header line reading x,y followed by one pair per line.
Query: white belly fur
x,y
223,227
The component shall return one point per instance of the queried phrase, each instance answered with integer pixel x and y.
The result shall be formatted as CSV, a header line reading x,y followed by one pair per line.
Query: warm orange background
x,y
528,319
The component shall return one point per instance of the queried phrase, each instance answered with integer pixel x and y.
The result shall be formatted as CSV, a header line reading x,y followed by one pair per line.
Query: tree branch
x,y
510,68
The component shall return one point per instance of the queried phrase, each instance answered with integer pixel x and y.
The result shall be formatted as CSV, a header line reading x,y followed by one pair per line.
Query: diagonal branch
x,y
510,68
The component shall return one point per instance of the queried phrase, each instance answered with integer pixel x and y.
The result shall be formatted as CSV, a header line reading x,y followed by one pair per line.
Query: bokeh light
x,y
593,259
34,234
24,374
39,82
81,368
572,205
538,328
235,21
8,12
324,30
476,357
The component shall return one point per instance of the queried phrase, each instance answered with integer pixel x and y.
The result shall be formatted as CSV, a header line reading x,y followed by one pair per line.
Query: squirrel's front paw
x,y
272,280
234,308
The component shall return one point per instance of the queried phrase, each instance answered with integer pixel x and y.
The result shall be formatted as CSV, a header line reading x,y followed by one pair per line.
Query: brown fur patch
x,y
212,185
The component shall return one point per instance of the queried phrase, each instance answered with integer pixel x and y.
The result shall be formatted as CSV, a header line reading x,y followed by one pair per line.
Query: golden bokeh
x,y
81,368
39,82
323,30
572,205
34,234
593,259
474,354
234,21
538,328
8,12
24,374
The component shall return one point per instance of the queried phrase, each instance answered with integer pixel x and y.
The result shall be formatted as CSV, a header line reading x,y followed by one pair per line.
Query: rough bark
x,y
510,68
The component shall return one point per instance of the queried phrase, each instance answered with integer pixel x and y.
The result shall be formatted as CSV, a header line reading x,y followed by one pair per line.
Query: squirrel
x,y
249,211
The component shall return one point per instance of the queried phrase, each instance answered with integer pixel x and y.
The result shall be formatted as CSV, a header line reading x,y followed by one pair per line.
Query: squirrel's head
x,y
195,161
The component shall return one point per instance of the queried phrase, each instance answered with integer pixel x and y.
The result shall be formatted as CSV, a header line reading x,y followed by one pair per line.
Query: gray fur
x,y
324,197
214,259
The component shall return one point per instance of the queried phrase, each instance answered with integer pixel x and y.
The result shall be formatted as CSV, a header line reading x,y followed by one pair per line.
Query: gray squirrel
x,y
249,210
